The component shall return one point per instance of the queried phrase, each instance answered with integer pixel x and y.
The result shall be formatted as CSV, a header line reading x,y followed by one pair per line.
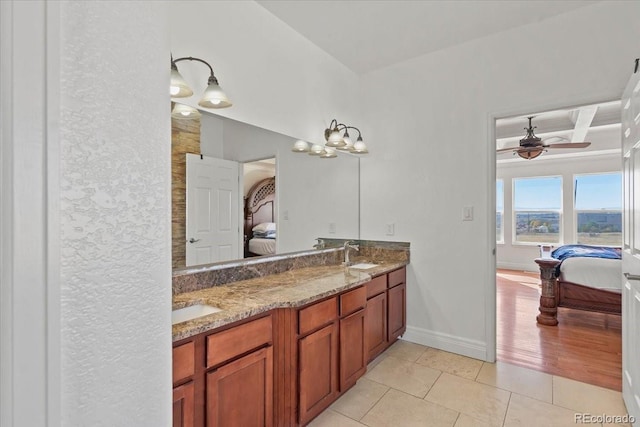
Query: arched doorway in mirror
x,y
259,191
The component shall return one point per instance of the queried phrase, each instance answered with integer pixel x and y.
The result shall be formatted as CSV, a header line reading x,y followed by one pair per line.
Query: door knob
x,y
192,240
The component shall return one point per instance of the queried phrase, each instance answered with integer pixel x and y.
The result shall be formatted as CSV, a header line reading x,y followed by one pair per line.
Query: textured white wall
x,y
115,215
433,154
276,79
520,257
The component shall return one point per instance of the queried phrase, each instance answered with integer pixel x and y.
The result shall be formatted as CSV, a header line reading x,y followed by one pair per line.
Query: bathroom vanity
x,y
284,346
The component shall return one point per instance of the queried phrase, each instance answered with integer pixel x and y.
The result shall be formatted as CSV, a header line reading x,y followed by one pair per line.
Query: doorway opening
x,y
556,194
259,207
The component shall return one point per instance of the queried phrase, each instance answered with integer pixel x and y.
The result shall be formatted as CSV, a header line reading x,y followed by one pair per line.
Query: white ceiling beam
x,y
583,122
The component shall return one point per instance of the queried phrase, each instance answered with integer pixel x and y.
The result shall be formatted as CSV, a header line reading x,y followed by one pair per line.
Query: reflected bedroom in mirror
x,y
239,191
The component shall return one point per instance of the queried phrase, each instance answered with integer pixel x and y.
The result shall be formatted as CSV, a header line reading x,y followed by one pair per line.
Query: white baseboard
x,y
446,342
532,267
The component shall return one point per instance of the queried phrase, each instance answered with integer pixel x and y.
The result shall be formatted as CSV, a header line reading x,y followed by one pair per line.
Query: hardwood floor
x,y
584,346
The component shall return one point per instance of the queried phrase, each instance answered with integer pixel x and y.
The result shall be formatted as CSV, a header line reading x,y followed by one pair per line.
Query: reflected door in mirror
x,y
212,210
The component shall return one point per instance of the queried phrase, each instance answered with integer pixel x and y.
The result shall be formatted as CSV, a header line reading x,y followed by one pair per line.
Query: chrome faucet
x,y
348,245
319,245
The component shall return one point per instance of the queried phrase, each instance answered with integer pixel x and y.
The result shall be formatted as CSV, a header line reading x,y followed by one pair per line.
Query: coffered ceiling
x,y
596,123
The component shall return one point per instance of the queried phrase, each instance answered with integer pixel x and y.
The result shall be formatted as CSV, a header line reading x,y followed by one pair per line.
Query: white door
x,y
212,227
631,247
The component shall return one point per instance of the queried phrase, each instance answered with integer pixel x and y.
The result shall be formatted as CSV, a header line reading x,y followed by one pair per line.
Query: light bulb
x,y
335,140
300,147
175,90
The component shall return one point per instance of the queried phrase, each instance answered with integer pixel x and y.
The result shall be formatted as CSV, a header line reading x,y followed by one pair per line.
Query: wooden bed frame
x,y
557,293
258,208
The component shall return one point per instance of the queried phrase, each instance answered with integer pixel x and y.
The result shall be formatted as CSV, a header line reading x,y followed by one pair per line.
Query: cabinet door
x,y
240,393
184,405
397,312
317,368
376,325
353,352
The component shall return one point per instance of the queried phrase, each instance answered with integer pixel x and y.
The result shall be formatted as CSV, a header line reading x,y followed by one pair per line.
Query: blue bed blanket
x,y
586,251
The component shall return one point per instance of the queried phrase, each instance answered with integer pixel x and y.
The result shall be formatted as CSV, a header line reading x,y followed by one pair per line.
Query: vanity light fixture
x,y
213,96
181,111
336,140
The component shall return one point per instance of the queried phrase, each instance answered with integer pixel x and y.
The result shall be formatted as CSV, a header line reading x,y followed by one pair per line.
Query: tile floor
x,y
413,385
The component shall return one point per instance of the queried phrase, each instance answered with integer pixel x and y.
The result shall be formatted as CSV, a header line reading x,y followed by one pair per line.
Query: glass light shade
x,y
359,147
317,150
335,140
529,154
348,144
181,111
300,147
329,153
214,97
179,87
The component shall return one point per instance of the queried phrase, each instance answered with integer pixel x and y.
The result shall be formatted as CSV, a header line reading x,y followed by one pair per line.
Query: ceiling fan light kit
x,y
531,146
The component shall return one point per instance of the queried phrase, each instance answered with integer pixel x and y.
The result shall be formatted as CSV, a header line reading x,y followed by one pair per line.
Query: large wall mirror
x,y
239,191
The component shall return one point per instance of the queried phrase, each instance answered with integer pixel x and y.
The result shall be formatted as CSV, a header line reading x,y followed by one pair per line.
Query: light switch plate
x,y
467,213
332,227
391,229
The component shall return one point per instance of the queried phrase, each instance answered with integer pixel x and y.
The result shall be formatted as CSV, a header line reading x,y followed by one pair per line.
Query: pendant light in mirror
x,y
214,96
181,111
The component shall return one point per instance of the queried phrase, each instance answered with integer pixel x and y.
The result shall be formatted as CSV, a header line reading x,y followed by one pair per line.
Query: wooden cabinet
x,y
286,366
385,314
240,393
353,351
376,325
184,405
216,374
317,371
397,301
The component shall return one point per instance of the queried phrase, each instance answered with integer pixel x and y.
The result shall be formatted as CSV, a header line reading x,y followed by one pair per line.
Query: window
x,y
537,209
598,208
499,211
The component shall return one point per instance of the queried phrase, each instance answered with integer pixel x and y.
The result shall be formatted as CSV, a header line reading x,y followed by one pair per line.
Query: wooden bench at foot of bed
x,y
557,293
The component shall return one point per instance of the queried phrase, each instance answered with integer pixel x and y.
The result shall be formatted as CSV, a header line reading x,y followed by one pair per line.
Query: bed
x,y
259,219
580,277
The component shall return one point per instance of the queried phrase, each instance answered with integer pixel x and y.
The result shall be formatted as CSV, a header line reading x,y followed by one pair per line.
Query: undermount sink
x,y
363,266
192,312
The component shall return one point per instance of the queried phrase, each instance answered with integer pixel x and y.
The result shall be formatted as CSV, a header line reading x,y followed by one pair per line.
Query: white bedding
x,y
597,273
262,246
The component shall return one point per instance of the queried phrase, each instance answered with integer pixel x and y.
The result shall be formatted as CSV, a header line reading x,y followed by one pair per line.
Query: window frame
x,y
514,212
575,210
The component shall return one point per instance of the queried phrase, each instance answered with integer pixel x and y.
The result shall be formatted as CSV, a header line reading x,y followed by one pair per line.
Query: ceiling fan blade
x,y
504,150
569,145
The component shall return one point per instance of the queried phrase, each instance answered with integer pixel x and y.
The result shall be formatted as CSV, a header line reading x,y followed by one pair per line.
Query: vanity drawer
x,y
397,277
317,315
353,301
376,286
238,340
184,361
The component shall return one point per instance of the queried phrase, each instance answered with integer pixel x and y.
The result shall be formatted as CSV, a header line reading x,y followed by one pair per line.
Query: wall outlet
x,y
391,229
332,228
467,213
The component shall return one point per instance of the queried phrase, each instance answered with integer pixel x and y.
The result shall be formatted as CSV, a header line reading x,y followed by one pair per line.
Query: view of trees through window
x,y
537,209
598,209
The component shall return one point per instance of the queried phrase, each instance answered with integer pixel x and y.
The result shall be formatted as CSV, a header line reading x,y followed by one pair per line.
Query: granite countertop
x,y
294,288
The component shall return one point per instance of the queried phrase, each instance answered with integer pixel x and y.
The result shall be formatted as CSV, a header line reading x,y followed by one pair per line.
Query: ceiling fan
x,y
532,146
